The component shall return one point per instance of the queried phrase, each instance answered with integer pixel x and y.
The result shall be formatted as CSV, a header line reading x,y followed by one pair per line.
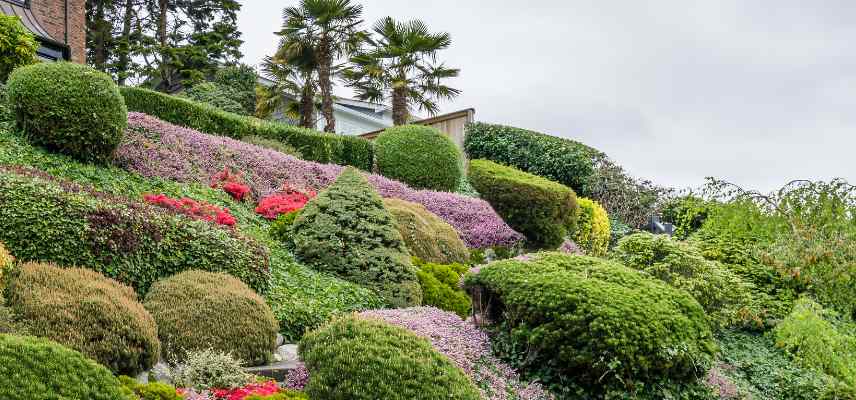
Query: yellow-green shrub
x,y
426,235
18,45
593,229
6,261
440,286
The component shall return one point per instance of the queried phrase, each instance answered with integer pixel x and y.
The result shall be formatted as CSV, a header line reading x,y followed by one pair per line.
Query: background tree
x,y
331,29
294,77
401,64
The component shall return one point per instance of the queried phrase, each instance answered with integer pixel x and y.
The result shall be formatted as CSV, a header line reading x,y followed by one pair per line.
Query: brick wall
x,y
51,15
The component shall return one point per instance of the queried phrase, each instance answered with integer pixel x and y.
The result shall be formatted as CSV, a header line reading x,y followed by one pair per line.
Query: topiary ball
x,y
366,359
426,235
33,368
69,108
420,156
87,312
197,310
593,230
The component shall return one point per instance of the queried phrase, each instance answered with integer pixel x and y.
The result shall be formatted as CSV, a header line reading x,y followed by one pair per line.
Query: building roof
x,y
51,48
428,121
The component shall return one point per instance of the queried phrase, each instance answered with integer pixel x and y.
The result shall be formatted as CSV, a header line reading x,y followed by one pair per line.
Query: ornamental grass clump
x,y
87,312
426,235
420,156
197,310
346,231
366,359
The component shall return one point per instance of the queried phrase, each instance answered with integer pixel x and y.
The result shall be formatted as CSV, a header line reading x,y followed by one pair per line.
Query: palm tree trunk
x,y
325,62
307,105
400,115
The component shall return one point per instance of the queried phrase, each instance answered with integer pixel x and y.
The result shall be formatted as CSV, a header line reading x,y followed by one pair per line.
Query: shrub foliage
x,y
593,228
197,310
440,286
426,235
419,156
18,45
544,211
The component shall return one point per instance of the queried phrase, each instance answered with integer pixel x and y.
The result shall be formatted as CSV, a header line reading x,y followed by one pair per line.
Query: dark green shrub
x,y
593,230
440,286
38,369
312,145
219,97
42,218
565,161
18,45
542,210
87,312
600,324
356,358
197,310
346,231
426,235
272,144
687,213
150,391
419,156
69,108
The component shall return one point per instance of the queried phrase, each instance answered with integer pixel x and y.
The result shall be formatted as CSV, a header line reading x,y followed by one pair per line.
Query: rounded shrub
x,y
70,108
419,156
151,390
18,45
440,286
358,358
426,235
346,231
87,312
197,310
33,368
592,321
593,230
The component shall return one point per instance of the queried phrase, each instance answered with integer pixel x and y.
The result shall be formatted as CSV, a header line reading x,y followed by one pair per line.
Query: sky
x,y
755,92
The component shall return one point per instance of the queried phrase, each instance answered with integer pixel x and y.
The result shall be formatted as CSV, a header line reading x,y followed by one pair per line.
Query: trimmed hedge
x,y
565,161
87,312
346,231
45,219
419,156
426,235
593,229
69,108
18,46
38,369
440,286
367,359
312,145
592,321
198,310
542,210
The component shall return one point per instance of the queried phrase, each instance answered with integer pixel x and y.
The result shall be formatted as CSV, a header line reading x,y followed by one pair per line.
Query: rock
x,y
279,340
287,360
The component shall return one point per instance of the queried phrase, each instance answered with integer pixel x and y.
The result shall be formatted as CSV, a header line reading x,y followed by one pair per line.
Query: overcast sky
x,y
756,92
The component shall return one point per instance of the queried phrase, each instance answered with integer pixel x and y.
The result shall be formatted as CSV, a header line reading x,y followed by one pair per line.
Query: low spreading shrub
x,y
619,327
426,235
561,160
312,145
150,391
206,369
357,358
196,310
346,231
419,156
69,108
593,230
18,45
441,286
38,369
87,312
43,218
544,211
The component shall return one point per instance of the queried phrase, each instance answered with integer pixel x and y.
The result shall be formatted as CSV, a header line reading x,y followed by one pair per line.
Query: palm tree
x,y
401,63
331,29
293,75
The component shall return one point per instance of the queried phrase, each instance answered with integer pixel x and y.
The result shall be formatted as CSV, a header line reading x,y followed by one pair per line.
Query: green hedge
x,y
419,156
542,210
592,321
312,145
363,359
45,219
565,161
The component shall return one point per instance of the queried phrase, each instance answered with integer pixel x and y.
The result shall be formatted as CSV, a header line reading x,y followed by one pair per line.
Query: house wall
x,y
347,124
52,16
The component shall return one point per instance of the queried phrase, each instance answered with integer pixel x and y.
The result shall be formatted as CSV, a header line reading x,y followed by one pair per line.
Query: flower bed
x,y
154,148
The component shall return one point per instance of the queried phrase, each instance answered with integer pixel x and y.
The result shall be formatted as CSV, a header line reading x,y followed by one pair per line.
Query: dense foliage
x,y
151,390
6,261
38,369
207,368
542,210
314,146
426,235
197,310
593,230
18,45
620,328
687,214
419,156
217,96
69,108
364,359
346,230
441,286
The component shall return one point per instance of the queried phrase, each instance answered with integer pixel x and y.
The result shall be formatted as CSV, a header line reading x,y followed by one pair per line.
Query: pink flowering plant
x,y
192,208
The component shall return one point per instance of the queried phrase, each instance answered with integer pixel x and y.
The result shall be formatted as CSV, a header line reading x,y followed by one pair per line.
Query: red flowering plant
x,y
192,208
286,201
261,389
231,182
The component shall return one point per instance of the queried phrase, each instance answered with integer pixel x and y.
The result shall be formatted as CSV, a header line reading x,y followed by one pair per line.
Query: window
x,y
22,3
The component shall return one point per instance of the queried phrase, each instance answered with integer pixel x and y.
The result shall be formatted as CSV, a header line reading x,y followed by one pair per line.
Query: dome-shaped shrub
x,y
87,312
70,108
593,321
197,310
32,368
419,156
367,359
593,229
346,231
426,235
441,286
